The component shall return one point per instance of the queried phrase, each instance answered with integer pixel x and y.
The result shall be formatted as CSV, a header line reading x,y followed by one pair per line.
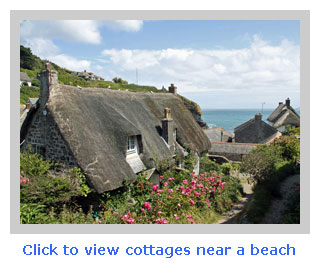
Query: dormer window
x,y
133,147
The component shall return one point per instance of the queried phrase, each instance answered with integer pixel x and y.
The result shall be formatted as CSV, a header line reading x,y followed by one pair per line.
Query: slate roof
x,y
24,77
214,134
254,131
232,148
97,122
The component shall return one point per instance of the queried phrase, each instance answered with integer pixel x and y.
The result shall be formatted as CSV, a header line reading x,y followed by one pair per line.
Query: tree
x,y
26,58
261,163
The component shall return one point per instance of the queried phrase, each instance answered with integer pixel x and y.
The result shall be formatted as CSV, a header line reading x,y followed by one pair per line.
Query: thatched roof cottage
x,y
110,134
284,115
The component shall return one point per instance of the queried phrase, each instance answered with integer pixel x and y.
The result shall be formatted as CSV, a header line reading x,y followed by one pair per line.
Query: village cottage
x,y
110,134
255,130
284,115
24,79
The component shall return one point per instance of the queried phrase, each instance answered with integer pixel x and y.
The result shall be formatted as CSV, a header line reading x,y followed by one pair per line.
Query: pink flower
x,y
191,202
126,216
169,196
176,216
197,194
188,216
185,182
161,221
147,205
179,204
159,212
155,187
165,184
159,191
130,221
170,190
161,177
142,209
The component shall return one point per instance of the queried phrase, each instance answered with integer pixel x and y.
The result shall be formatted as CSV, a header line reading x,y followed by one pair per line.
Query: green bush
x,y
32,164
35,83
288,147
261,163
27,92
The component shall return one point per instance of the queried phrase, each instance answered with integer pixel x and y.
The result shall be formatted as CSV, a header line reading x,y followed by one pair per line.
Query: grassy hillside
x,y
32,64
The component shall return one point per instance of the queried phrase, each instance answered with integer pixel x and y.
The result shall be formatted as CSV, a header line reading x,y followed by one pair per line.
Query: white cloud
x,y
41,47
86,31
260,67
124,25
70,62
71,30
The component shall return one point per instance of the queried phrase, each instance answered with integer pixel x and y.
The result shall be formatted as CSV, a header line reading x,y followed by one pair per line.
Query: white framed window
x,y
132,147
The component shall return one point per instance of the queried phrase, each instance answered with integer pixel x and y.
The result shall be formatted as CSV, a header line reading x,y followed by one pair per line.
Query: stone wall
x,y
45,138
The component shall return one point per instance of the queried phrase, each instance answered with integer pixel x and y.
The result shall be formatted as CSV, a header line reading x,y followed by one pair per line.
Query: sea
x,y
231,118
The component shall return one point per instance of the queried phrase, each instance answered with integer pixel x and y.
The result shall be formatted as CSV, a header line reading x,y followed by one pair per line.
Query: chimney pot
x,y
258,116
288,102
167,113
173,89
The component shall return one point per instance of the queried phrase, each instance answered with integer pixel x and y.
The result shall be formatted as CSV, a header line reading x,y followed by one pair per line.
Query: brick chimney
x,y
173,89
258,117
48,78
167,128
288,102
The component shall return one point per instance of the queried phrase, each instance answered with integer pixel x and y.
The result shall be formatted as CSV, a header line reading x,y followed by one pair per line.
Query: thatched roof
x,y
284,115
96,124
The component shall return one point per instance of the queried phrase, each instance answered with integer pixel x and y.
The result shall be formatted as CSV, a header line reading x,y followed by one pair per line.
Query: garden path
x,y
275,213
232,216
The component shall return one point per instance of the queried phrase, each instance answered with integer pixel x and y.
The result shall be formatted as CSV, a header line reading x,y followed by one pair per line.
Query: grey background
x,y
303,227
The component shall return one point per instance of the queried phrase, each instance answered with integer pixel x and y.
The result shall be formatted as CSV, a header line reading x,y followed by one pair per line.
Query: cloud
x,y
86,31
259,67
41,47
71,30
124,25
69,62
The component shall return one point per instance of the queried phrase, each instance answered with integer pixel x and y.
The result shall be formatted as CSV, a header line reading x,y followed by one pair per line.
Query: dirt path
x,y
275,212
231,217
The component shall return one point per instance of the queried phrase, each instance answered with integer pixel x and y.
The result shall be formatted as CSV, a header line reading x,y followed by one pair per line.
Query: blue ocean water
x,y
231,118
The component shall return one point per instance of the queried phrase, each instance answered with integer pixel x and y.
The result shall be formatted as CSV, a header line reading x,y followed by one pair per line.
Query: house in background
x,y
111,135
24,79
255,131
218,134
284,115
88,76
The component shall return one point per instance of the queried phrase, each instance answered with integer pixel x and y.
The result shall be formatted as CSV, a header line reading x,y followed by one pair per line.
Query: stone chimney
x,y
167,128
288,102
28,106
258,117
48,78
173,89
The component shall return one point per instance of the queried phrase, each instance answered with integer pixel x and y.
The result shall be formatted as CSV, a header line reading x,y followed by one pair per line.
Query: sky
x,y
218,64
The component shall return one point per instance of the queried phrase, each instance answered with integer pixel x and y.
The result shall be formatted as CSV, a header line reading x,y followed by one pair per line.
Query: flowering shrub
x,y
180,200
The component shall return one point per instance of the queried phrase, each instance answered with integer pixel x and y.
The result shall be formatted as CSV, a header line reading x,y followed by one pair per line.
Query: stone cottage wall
x,y
45,138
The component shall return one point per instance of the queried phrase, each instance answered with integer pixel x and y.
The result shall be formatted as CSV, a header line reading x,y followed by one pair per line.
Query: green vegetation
x,y
48,191
51,194
269,165
29,60
27,92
